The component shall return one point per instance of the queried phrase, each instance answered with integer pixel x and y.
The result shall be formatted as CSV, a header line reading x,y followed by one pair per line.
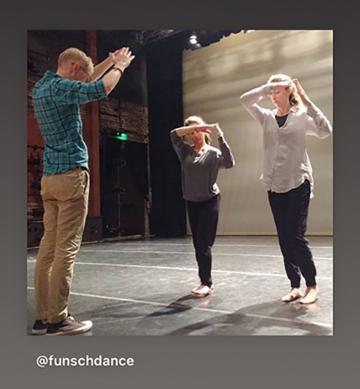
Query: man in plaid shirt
x,y
65,183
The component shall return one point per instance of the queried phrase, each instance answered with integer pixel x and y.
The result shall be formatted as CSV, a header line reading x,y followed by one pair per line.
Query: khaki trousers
x,y
65,198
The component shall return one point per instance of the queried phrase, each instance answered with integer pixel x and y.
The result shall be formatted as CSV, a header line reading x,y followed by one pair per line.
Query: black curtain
x,y
124,174
164,75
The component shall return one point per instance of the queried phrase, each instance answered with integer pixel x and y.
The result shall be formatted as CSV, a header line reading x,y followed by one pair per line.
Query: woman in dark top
x,y
200,164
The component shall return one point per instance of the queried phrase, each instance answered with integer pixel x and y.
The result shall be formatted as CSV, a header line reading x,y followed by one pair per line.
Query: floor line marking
x,y
217,244
189,252
182,269
154,303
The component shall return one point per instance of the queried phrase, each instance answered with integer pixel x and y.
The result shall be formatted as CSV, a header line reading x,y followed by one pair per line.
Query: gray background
x,y
214,78
163,362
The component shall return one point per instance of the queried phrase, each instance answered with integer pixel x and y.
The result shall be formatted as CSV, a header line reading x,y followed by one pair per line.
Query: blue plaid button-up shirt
x,y
56,103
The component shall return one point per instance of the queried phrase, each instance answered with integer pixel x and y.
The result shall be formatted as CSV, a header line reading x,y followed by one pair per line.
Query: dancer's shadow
x,y
110,315
113,312
175,307
269,318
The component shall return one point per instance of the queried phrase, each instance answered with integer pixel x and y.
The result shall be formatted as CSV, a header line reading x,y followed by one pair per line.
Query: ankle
x,y
312,288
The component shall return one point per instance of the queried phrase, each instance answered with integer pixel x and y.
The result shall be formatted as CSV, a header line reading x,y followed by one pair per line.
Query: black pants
x,y
290,211
203,218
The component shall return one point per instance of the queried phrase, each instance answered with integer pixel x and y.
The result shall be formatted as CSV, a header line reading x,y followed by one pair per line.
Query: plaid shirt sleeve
x,y
66,91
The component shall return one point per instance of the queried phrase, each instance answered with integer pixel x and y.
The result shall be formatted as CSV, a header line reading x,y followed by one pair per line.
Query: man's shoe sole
x,y
39,332
87,326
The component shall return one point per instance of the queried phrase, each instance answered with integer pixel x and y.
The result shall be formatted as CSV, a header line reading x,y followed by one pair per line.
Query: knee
x,y
299,250
203,249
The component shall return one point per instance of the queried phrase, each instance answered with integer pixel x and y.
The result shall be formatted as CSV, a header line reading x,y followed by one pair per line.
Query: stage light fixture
x,y
193,39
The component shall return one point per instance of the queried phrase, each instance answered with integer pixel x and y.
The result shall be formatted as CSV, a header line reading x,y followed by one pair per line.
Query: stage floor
x,y
143,288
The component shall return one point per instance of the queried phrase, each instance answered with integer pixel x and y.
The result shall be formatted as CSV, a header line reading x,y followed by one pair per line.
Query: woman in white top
x,y
287,172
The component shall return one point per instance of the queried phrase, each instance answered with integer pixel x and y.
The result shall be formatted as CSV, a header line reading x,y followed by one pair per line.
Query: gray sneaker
x,y
69,326
39,327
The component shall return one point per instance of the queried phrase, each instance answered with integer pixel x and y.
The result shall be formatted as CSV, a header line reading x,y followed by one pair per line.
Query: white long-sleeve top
x,y
286,164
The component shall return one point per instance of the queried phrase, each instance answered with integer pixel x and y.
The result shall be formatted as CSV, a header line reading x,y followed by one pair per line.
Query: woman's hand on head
x,y
299,88
217,129
203,128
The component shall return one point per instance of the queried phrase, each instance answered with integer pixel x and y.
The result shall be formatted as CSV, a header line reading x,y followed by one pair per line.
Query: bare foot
x,y
310,295
294,294
202,290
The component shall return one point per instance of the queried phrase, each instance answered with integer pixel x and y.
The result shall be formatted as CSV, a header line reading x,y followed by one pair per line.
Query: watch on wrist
x,y
119,69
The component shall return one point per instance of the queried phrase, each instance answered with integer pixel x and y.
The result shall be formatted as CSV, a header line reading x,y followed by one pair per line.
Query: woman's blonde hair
x,y
194,119
75,55
294,98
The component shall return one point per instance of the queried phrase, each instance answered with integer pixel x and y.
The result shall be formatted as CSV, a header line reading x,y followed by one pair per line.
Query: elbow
x,y
243,98
229,164
108,86
108,89
325,132
173,134
325,135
